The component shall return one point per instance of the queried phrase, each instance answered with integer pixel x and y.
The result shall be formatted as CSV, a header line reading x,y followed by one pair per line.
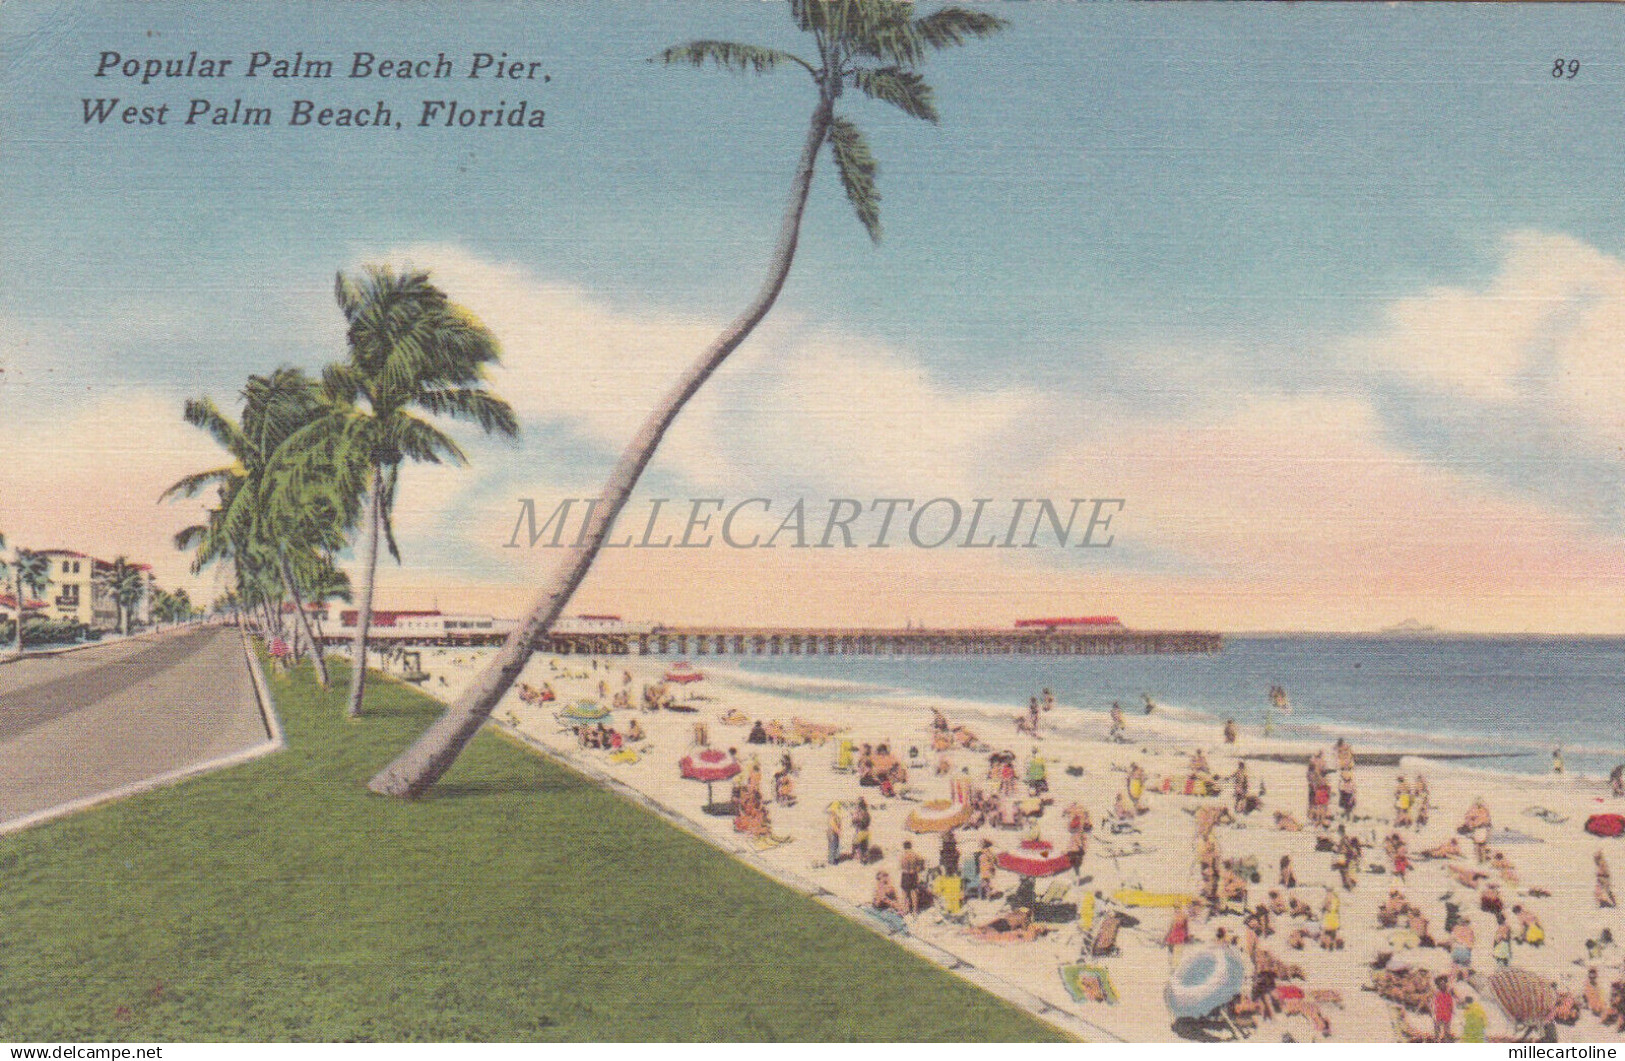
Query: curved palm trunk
x,y
415,770
369,568
303,620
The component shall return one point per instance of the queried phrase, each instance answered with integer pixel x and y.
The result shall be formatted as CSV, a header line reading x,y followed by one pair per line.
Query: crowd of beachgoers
x,y
1155,873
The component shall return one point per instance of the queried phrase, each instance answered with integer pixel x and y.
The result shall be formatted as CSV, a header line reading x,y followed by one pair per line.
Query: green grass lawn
x,y
280,901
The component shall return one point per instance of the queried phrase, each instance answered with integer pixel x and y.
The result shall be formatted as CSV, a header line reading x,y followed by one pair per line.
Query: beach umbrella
x,y
1033,863
584,711
709,765
938,816
1205,979
1527,999
682,673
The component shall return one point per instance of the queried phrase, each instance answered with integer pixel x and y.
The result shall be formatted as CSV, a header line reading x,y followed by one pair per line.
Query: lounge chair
x,y
1101,941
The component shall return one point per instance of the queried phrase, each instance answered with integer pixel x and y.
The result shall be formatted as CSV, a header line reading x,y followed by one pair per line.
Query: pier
x,y
847,641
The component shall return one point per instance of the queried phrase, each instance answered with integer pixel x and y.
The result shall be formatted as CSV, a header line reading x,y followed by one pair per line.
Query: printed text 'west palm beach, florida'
x,y
495,69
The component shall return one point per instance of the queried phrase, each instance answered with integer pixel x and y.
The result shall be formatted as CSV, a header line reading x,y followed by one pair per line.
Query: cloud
x,y
1249,501
1518,380
795,408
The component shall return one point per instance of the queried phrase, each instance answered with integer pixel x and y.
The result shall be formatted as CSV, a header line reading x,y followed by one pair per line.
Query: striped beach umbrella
x,y
938,816
708,765
584,711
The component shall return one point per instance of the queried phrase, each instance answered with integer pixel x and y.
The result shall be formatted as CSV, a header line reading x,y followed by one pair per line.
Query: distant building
x,y
590,624
1084,622
423,625
79,590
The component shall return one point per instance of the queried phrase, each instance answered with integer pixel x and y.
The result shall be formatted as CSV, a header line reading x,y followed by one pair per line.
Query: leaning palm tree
x,y
412,352
874,47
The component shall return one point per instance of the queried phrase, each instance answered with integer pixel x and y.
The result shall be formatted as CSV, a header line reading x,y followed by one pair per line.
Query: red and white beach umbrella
x,y
708,765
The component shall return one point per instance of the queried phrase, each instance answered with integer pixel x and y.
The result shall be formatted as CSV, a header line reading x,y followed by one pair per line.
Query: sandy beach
x,y
1544,864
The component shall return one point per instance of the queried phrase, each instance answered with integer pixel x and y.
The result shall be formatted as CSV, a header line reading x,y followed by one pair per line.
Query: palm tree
x,y
33,572
325,582
260,518
412,351
163,607
872,46
126,583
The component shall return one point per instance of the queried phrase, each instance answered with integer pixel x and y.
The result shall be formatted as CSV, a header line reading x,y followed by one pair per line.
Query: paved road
x,y
82,723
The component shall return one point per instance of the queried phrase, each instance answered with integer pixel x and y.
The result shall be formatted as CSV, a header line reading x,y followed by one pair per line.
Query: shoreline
x,y
1292,731
1554,860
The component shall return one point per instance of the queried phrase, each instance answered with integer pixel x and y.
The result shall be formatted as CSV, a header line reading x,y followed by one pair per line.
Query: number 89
x,y
1566,68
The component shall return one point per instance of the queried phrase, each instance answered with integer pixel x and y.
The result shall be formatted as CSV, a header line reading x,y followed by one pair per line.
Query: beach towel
x,y
1074,977
1165,900
891,919
1512,836
625,756
1605,825
769,841
1551,817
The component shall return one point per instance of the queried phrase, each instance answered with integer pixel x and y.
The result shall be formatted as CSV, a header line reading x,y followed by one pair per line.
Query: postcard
x,y
814,521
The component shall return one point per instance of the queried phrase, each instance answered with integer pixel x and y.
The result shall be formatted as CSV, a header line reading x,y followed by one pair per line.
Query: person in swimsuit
x,y
886,897
1532,932
1179,931
1402,803
987,864
860,830
911,867
1461,947
1331,920
1477,825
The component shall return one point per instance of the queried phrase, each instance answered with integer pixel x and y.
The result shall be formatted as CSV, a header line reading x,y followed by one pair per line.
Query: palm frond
x,y
203,413
190,536
419,440
727,55
856,165
478,406
188,486
903,89
952,27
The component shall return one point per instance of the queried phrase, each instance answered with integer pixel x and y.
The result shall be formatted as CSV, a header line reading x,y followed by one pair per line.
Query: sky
x,y
1328,296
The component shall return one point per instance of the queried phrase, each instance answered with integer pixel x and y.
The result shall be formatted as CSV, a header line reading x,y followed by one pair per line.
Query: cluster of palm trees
x,y
314,461
28,572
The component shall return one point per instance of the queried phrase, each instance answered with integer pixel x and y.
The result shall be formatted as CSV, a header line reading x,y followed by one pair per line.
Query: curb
x,y
262,693
274,742
117,639
1060,1019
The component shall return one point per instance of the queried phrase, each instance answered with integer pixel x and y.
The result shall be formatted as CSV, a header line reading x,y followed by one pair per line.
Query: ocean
x,y
1516,697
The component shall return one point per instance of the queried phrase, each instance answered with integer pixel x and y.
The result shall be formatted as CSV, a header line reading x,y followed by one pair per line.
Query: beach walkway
x,y
78,725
